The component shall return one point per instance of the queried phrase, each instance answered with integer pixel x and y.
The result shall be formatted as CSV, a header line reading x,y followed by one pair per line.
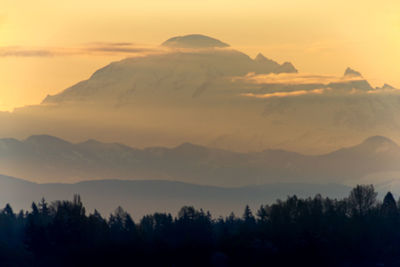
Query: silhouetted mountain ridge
x,y
379,141
350,72
143,197
46,158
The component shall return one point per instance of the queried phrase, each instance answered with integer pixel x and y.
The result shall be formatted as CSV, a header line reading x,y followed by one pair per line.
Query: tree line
x,y
356,231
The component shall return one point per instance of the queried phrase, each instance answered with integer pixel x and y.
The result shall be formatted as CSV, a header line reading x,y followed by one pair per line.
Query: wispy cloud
x,y
272,86
293,79
14,51
117,48
100,48
286,94
94,48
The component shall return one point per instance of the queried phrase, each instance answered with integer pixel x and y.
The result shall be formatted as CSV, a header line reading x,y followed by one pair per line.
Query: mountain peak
x,y
260,58
387,86
91,142
287,67
188,146
190,149
352,73
194,41
379,141
45,140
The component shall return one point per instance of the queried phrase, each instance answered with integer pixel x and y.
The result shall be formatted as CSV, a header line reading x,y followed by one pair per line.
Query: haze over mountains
x,y
198,89
203,124
183,74
140,198
161,179
49,159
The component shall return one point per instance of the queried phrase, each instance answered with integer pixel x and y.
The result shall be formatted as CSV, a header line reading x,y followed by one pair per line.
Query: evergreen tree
x,y
389,207
248,217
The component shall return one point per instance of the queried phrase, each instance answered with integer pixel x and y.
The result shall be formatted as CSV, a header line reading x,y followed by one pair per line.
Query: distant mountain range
x,y
43,158
144,197
195,70
200,89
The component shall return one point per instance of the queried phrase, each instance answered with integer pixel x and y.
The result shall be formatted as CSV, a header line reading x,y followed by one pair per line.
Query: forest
x,y
360,230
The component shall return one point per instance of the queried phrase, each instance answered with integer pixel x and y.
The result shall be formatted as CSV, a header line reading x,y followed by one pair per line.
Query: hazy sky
x,y
47,45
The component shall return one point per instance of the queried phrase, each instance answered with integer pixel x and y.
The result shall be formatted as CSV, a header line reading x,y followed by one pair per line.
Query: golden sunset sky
x,y
47,45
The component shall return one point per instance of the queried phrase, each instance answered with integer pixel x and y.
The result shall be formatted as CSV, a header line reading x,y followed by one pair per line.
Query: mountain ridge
x,y
208,96
45,139
168,72
158,196
65,161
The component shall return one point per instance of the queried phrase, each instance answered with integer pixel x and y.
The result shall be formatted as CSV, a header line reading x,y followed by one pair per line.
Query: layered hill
x,y
140,198
49,159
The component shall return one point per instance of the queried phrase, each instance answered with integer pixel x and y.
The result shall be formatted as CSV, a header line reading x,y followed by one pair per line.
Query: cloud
x,y
293,79
286,94
327,92
284,85
123,48
94,48
13,51
117,48
387,91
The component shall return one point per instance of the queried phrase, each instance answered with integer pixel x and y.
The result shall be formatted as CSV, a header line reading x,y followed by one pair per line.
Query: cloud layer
x,y
284,85
99,48
294,79
286,94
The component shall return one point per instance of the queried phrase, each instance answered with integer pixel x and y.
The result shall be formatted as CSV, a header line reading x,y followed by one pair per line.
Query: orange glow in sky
x,y
321,37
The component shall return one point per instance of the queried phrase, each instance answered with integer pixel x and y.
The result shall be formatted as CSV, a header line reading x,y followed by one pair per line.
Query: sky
x,y
47,46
